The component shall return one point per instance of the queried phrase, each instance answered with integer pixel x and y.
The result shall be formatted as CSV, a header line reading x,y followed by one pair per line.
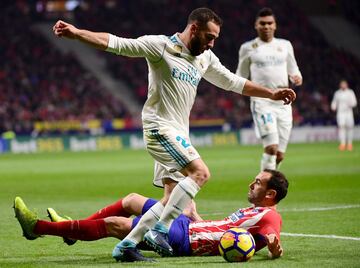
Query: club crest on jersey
x,y
279,49
254,45
178,48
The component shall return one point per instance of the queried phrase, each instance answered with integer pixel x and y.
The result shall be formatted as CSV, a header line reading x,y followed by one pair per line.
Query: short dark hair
x,y
265,11
279,183
203,15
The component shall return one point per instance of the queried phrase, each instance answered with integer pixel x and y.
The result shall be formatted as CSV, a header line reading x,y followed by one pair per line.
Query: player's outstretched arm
x,y
96,39
285,94
274,246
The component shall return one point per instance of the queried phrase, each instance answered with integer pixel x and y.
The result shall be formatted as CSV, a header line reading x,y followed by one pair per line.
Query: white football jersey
x,y
344,101
267,63
174,75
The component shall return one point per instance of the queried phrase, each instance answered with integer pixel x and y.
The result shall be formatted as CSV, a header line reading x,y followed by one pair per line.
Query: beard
x,y
195,46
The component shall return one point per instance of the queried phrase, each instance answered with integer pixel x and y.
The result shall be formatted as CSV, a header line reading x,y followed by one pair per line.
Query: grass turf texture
x,y
77,184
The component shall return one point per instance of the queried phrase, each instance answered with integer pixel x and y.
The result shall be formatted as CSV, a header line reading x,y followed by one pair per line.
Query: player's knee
x,y
201,175
198,171
271,149
129,200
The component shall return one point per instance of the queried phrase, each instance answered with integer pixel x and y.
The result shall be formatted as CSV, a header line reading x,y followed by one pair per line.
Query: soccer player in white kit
x,y
270,62
343,103
176,65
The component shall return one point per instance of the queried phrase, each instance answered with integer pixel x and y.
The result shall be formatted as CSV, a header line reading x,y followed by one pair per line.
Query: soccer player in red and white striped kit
x,y
189,235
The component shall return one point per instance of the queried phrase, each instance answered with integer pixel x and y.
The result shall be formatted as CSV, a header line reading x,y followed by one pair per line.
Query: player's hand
x,y
64,29
285,94
273,243
296,80
191,212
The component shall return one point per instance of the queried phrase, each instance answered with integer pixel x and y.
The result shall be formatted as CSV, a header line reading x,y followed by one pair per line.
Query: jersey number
x,y
183,141
267,118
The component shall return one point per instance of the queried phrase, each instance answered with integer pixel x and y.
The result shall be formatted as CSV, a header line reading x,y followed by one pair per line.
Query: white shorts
x,y
345,119
161,173
172,150
273,123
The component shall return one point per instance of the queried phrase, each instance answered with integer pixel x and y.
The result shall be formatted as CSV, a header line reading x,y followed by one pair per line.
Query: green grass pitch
x,y
78,184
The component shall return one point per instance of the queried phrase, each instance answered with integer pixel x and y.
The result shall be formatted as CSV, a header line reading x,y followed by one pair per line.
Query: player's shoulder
x,y
155,38
270,213
208,54
282,42
250,44
208,57
338,91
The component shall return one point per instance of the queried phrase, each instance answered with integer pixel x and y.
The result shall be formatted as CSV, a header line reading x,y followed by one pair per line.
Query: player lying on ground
x,y
189,234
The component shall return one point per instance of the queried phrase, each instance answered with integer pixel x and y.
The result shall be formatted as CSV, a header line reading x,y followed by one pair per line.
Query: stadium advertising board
x,y
301,135
77,143
106,143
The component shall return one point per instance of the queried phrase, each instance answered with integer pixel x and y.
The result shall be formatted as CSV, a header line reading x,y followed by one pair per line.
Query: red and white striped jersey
x,y
204,236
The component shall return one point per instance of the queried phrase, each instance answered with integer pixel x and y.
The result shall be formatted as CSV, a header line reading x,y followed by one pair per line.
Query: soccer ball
x,y
237,245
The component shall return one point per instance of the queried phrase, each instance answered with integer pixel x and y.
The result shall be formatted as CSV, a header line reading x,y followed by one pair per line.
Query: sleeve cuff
x,y
111,43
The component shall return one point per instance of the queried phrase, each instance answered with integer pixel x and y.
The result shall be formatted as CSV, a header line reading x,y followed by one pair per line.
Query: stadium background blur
x,y
53,98
46,91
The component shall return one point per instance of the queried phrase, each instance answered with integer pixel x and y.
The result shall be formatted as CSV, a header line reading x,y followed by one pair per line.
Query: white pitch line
x,y
319,209
322,236
300,209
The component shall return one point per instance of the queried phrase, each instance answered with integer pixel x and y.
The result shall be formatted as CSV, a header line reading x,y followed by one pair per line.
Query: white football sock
x,y
342,135
147,221
268,161
180,197
350,135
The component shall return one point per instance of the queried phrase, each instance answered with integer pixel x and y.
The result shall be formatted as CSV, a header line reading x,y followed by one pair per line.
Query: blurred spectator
x,y
38,84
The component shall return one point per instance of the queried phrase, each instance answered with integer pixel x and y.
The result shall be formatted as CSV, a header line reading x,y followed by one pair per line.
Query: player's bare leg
x,y
197,175
279,158
126,250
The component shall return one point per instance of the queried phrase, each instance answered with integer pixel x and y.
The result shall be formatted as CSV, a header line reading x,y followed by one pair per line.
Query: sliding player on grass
x,y
189,235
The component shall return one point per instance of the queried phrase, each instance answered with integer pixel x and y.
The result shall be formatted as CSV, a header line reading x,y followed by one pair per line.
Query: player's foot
x,y
157,238
54,217
26,218
349,147
342,147
126,251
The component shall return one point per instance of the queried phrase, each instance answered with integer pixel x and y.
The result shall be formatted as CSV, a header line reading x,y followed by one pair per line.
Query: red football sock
x,y
87,230
115,209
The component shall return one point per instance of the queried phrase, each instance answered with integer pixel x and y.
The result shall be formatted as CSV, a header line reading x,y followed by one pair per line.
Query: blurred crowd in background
x,y
39,83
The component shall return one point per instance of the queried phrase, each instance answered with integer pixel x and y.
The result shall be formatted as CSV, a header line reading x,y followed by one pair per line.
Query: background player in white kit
x,y
176,65
270,62
343,103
